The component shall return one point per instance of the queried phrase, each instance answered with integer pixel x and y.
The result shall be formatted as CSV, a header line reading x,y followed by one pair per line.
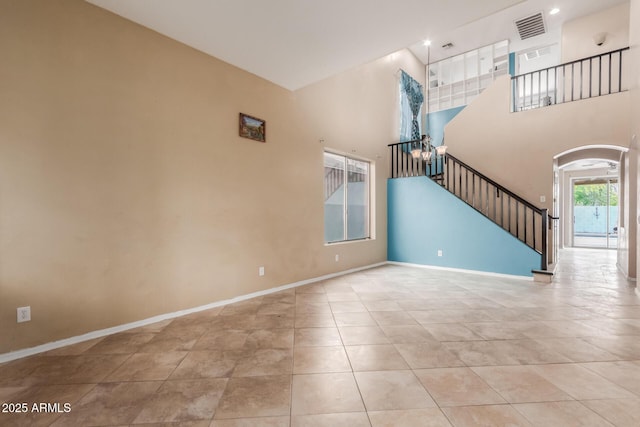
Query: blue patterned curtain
x,y
413,96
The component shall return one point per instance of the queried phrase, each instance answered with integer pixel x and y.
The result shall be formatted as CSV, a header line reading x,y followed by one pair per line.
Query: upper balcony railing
x,y
597,75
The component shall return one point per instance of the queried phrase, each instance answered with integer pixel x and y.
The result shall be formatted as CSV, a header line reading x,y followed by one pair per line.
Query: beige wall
x,y
578,34
517,149
125,191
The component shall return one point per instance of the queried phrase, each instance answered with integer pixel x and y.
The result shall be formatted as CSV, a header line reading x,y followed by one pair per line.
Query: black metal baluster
x,y
393,175
590,75
564,84
501,207
509,213
466,185
609,74
555,84
620,73
572,78
546,93
534,230
581,79
452,169
514,87
525,225
517,219
539,87
407,156
531,92
486,196
473,190
416,164
600,76
460,179
406,160
412,161
446,172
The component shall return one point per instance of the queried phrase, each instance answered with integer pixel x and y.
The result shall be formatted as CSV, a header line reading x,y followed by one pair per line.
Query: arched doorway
x,y
587,202
587,184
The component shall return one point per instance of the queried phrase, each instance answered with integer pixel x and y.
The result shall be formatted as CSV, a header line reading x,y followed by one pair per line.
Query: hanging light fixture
x,y
416,150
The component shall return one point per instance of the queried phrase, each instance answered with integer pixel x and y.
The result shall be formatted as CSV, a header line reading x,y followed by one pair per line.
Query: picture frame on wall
x,y
253,128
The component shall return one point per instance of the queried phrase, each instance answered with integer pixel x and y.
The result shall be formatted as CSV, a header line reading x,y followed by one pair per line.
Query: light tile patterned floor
x,y
391,346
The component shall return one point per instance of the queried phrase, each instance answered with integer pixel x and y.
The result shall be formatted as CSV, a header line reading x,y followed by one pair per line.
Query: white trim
x,y
624,273
18,354
589,147
345,154
462,270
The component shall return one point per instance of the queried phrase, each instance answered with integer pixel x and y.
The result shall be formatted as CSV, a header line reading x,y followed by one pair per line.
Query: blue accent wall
x,y
438,120
424,217
512,64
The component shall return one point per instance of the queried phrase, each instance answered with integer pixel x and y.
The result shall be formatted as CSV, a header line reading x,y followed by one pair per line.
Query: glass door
x,y
595,213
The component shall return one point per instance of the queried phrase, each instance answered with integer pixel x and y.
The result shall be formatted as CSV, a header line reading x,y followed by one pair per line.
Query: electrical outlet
x,y
439,252
261,271
337,257
24,314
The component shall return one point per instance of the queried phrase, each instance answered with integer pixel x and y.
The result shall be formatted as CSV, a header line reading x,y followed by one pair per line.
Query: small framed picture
x,y
252,128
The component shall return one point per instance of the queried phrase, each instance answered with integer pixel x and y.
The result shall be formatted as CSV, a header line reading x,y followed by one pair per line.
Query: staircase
x,y
604,76
514,214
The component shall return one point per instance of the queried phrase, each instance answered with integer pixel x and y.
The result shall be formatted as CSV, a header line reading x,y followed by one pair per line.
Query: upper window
x,y
456,81
346,198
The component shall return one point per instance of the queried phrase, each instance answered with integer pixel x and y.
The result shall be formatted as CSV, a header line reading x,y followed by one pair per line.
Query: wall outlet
x,y
439,252
337,257
260,271
24,314
543,199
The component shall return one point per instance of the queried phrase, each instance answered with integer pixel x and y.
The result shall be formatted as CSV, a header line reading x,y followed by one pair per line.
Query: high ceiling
x,y
501,26
294,43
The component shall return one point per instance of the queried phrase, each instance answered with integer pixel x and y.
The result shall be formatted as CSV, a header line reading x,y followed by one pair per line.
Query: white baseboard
x,y
18,354
462,270
624,273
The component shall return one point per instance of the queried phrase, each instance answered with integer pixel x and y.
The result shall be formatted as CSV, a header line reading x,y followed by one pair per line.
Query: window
x,y
458,80
346,198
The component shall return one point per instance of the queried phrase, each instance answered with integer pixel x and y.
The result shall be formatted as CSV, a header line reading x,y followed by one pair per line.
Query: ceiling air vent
x,y
531,26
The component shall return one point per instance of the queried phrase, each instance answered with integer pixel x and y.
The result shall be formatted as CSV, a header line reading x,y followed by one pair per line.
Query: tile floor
x,y
391,346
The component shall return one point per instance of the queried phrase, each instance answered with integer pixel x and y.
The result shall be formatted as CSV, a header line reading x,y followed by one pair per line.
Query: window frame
x,y
368,221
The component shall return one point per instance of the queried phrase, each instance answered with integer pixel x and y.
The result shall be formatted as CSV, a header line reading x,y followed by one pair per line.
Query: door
x,y
595,213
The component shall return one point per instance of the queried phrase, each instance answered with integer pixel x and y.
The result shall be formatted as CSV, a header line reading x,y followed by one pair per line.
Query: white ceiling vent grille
x,y
531,26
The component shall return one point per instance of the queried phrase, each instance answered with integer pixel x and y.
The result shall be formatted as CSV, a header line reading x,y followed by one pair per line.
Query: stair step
x,y
542,276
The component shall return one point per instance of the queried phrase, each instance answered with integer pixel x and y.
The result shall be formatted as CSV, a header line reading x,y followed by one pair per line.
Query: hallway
x,y
590,267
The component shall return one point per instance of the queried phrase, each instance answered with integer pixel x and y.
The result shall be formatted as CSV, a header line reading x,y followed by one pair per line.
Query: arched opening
x,y
587,202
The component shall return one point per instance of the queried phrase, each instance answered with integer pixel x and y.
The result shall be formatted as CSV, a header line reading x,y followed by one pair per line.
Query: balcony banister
x,y
584,78
572,62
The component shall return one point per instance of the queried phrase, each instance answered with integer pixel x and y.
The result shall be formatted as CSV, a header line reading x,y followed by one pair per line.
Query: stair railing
x,y
520,218
596,75
403,164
